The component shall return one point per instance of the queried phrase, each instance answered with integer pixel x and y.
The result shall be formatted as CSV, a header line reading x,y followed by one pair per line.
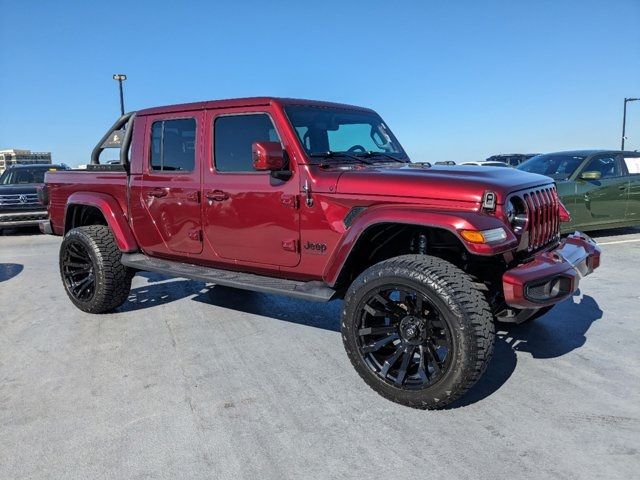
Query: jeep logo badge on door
x,y
315,247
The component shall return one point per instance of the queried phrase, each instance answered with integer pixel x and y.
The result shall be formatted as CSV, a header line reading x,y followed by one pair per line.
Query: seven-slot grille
x,y
19,199
543,206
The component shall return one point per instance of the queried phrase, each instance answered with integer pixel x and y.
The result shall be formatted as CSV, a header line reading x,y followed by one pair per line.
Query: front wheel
x,y
417,331
94,278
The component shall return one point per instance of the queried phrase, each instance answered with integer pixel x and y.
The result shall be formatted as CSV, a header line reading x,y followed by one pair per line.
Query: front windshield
x,y
559,166
22,176
325,130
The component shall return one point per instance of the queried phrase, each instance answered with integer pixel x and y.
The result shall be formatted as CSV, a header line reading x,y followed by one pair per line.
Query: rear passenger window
x,y
173,145
233,136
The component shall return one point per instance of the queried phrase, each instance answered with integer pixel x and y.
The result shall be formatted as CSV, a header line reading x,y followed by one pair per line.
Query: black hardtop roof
x,y
244,102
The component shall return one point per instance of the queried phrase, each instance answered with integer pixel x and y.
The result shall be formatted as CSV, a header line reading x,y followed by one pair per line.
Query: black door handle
x,y
157,193
216,195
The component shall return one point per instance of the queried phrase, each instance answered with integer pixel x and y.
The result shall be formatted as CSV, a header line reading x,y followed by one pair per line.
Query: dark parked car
x,y
19,205
600,188
512,159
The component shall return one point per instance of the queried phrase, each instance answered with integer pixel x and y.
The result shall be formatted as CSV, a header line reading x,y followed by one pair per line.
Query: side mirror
x,y
267,156
592,175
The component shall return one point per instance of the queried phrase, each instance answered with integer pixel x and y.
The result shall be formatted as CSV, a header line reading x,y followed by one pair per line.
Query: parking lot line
x,y
619,241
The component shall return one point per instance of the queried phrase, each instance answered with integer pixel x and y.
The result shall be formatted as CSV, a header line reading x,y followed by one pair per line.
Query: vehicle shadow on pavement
x,y
23,232
160,290
312,314
557,333
10,270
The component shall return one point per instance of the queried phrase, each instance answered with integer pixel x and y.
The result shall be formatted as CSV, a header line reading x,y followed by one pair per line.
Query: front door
x,y
602,201
250,217
166,202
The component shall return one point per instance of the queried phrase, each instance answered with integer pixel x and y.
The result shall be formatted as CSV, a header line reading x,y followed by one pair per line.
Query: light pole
x,y
624,118
121,77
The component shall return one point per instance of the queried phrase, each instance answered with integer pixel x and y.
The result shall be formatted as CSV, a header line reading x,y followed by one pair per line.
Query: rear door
x,y
602,201
250,216
165,198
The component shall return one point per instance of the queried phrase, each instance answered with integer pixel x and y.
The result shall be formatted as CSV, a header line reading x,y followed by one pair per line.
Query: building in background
x,y
14,156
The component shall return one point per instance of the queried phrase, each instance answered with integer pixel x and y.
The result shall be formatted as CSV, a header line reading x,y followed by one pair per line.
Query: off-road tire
x,y
463,308
112,280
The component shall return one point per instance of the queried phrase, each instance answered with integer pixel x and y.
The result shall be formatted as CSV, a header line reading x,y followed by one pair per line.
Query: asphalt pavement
x,y
190,381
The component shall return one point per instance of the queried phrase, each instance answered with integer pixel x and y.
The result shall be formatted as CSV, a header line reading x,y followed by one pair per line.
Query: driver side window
x,y
607,165
233,137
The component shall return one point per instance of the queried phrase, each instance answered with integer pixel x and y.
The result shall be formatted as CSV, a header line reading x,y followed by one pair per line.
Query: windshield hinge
x,y
307,191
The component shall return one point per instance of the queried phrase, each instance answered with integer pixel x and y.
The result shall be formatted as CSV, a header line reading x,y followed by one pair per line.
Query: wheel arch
x,y
400,222
90,208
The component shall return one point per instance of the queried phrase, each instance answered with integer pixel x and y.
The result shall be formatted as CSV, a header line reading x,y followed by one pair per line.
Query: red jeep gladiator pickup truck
x,y
319,201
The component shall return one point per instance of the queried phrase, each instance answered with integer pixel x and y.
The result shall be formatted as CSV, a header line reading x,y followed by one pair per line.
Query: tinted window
x,y
173,145
24,176
608,166
233,136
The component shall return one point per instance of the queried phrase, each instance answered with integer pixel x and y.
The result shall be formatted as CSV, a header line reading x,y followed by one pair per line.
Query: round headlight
x,y
516,213
510,212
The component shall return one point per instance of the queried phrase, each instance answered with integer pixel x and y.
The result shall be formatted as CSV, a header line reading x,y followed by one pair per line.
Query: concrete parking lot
x,y
188,380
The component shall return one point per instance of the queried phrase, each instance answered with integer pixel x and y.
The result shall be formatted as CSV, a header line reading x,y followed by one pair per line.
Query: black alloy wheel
x,y
417,330
94,278
403,337
78,271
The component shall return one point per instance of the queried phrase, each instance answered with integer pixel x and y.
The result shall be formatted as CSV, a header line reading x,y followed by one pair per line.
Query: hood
x,y
17,189
459,183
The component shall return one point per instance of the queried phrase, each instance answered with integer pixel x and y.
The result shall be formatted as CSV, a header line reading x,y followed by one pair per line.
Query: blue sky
x,y
454,80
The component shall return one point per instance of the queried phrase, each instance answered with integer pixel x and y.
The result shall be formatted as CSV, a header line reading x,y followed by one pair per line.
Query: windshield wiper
x,y
331,154
371,153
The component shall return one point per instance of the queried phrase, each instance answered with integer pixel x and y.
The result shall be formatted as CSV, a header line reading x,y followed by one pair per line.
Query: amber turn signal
x,y
472,236
484,236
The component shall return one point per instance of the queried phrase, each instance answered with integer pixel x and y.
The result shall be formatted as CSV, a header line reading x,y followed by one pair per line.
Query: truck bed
x,y
62,184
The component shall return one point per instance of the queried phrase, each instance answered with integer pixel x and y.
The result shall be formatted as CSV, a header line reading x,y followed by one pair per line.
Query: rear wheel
x,y
94,278
417,331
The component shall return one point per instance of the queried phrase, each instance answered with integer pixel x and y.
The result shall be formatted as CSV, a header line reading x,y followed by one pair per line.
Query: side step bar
x,y
315,291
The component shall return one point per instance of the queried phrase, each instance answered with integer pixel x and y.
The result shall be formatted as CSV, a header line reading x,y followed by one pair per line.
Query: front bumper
x,y
22,219
552,276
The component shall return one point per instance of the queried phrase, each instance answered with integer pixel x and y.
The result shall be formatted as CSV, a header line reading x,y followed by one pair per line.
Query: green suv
x,y
600,188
